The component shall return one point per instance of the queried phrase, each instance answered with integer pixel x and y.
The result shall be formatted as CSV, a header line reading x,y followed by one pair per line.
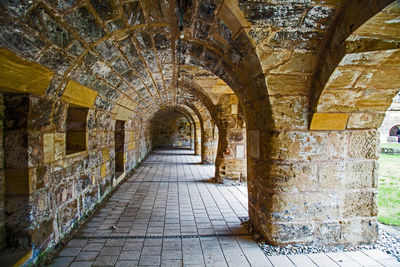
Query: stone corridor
x,y
169,213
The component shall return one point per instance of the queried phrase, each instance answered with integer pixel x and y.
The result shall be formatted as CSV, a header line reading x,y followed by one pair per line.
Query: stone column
x,y
316,186
230,161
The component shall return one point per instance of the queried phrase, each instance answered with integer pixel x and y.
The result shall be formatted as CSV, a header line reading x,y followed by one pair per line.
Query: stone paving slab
x,y
168,213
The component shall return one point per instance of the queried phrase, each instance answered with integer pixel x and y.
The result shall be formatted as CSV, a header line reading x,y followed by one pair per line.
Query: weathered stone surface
x,y
283,62
358,231
288,177
85,23
362,174
365,120
331,175
359,204
364,144
288,233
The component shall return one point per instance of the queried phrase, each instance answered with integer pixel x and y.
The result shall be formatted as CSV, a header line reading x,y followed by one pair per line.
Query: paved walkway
x,y
169,214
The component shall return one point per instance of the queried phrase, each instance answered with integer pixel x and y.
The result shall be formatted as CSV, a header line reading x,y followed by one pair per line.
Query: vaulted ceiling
x,y
129,51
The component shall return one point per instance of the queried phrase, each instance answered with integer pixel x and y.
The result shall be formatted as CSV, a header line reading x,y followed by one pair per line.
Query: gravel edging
x,y
386,242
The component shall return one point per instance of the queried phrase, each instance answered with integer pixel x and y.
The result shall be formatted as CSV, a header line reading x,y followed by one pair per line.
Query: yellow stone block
x,y
329,121
59,137
106,154
233,99
59,146
77,94
132,137
131,146
32,177
93,179
103,170
17,74
48,148
123,113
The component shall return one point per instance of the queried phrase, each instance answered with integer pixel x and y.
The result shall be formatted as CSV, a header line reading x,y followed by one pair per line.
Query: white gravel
x,y
386,242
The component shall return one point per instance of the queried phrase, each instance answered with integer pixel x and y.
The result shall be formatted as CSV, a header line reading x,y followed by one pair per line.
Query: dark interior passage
x,y
119,147
171,129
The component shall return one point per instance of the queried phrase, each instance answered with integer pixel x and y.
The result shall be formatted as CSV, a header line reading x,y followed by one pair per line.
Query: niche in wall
x,y
119,147
76,129
17,208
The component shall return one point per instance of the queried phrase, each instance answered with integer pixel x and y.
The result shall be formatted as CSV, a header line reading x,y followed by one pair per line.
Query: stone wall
x,y
171,129
64,188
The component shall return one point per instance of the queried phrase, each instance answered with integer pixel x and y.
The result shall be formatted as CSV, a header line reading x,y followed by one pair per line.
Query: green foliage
x,y
389,189
391,145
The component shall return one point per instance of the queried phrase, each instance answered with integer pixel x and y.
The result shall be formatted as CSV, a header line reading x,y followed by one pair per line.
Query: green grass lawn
x,y
391,145
389,189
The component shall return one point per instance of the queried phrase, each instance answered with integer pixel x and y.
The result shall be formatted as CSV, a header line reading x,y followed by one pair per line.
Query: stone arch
x,y
395,132
335,46
197,121
358,92
185,113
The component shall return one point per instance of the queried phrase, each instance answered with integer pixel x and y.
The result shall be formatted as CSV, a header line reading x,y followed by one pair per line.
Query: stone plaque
x,y
234,109
239,151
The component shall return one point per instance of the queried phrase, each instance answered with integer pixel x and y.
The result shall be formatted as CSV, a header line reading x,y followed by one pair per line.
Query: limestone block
x,y
364,144
59,146
329,121
359,231
285,177
393,60
105,154
344,77
322,206
365,120
339,100
296,145
48,148
327,233
375,99
360,174
21,75
331,175
359,204
103,170
78,94
272,59
337,145
283,84
290,232
283,207
298,63
289,112
371,58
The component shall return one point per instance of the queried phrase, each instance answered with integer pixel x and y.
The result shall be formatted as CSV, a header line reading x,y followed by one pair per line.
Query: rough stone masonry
x,y
287,94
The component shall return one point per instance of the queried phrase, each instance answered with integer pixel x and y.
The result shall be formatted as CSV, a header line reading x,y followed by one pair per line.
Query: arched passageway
x,y
288,96
172,129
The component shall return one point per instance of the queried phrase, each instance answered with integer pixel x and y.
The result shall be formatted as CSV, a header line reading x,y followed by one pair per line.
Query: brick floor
x,y
169,214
